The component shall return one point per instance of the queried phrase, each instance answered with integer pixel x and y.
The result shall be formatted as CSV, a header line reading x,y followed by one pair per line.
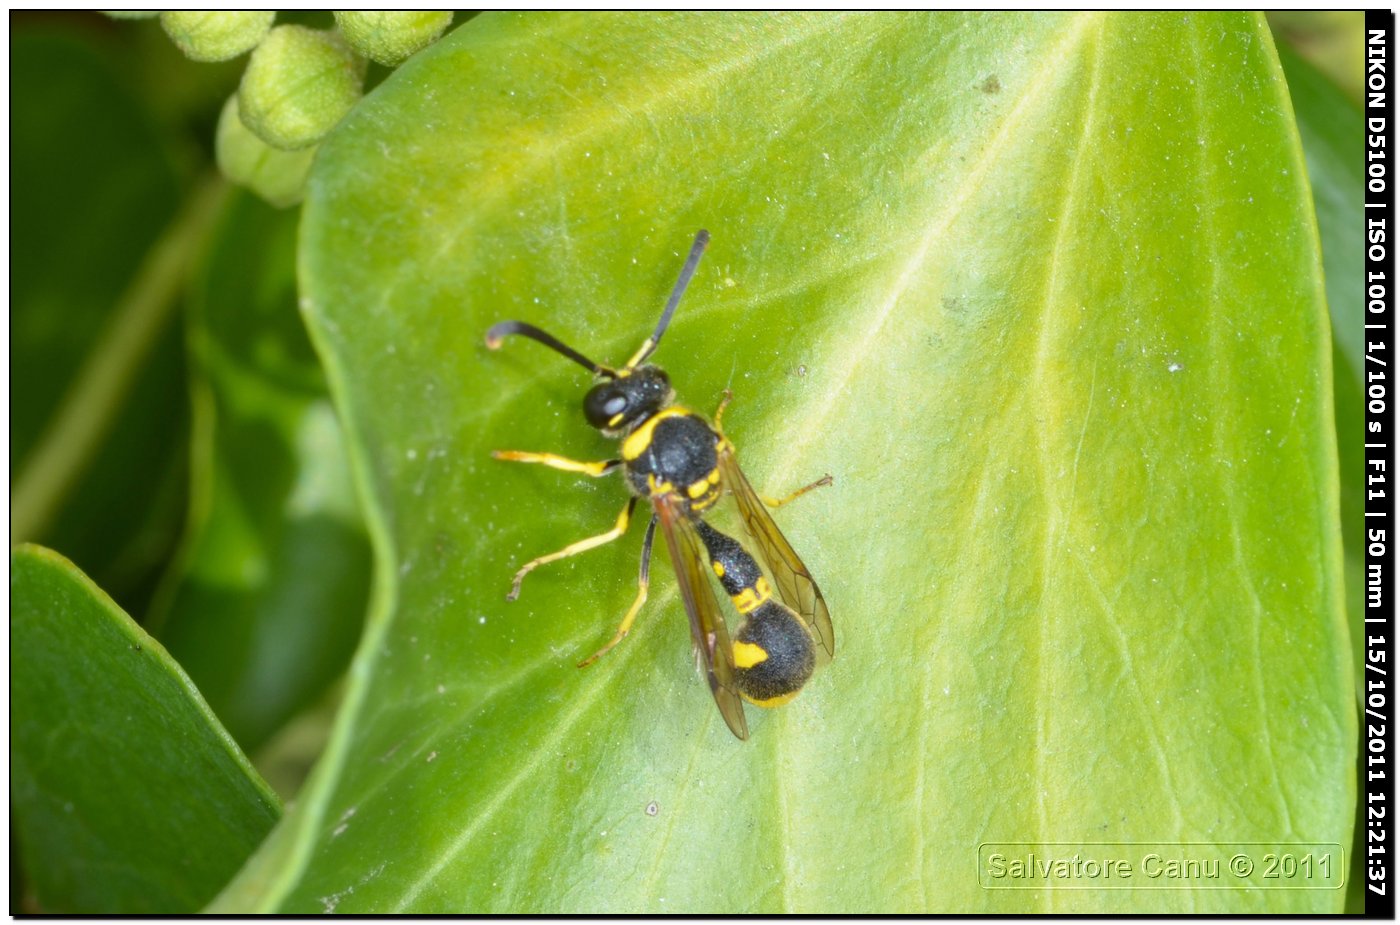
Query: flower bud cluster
x,y
298,84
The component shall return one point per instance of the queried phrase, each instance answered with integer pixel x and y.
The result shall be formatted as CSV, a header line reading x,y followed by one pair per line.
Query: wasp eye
x,y
603,403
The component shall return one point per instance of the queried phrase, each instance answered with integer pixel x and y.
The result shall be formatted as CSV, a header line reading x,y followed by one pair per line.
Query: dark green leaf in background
x,y
128,795
97,189
267,602
1332,41
1029,286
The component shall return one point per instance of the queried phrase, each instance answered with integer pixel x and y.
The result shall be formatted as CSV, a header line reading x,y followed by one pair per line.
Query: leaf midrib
x,y
812,420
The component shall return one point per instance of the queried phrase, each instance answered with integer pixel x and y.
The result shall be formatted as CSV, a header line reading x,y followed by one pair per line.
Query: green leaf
x,y
1330,126
128,796
96,187
267,604
1033,291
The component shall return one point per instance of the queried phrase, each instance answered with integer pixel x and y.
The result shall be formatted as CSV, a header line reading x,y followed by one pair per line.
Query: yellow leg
x,y
594,469
779,502
623,629
574,548
719,412
642,580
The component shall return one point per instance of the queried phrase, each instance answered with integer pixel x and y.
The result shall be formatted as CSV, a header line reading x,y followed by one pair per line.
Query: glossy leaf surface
x,y
128,796
1041,292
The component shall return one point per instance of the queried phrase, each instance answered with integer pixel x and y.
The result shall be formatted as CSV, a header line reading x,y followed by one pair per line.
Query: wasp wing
x,y
707,627
795,584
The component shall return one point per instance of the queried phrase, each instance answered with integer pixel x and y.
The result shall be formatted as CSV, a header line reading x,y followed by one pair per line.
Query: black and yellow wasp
x,y
683,465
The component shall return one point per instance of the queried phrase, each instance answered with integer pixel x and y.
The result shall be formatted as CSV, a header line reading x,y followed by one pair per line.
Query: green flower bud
x,y
216,35
299,83
390,36
130,14
276,175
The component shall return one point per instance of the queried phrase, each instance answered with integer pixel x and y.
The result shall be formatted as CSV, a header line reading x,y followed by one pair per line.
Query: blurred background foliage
x,y
170,429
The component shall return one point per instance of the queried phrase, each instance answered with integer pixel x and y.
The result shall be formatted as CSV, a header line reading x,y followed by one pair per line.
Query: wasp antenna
x,y
503,329
702,240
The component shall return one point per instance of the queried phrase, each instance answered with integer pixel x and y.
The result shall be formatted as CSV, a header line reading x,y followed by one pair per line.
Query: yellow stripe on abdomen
x,y
749,598
746,655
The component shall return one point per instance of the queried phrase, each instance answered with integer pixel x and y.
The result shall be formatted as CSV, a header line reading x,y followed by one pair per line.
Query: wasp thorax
x,y
624,402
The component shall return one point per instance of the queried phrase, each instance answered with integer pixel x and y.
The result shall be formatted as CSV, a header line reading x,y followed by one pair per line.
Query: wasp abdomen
x,y
740,575
773,649
773,655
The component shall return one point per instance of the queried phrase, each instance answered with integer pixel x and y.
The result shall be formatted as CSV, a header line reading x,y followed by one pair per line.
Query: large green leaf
x,y
1330,127
128,795
265,607
1035,293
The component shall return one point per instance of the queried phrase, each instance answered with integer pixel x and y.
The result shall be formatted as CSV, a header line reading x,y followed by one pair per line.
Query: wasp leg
x,y
779,502
642,580
594,469
719,412
574,549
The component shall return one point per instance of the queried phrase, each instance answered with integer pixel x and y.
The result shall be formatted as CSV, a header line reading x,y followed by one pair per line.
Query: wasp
x,y
683,464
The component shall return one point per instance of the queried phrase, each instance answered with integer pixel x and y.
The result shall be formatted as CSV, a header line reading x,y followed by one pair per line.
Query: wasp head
x,y
619,404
